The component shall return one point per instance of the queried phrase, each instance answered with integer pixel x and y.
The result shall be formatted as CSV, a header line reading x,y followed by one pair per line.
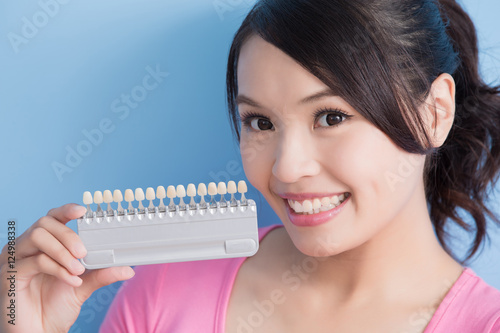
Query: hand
x,y
51,284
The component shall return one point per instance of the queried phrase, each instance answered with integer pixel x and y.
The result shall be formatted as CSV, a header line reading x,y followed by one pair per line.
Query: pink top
x,y
193,296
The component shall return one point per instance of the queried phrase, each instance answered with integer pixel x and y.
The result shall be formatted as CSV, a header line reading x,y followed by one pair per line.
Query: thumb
x,y
95,279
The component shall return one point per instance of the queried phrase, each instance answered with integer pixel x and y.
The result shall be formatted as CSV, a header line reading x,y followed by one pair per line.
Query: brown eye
x,y
260,124
330,118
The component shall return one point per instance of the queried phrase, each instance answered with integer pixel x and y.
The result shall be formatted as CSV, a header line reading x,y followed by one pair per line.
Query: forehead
x,y
265,72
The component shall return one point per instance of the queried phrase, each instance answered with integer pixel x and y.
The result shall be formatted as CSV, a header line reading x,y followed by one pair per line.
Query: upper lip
x,y
305,196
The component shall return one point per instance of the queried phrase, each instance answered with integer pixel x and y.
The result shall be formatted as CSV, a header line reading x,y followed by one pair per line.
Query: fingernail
x,y
128,272
79,209
78,281
80,250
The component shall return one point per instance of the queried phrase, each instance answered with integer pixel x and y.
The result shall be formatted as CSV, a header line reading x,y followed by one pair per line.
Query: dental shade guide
x,y
161,234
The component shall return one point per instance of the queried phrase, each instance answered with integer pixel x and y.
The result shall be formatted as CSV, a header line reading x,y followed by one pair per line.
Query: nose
x,y
295,158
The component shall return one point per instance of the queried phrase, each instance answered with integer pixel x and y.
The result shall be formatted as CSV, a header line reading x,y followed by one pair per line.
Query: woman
x,y
365,125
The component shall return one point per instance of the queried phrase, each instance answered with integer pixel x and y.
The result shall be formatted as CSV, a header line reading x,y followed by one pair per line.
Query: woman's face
x,y
305,149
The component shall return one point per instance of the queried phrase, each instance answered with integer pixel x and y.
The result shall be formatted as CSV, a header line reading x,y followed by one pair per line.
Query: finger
x,y
95,279
42,263
67,212
30,245
56,217
48,244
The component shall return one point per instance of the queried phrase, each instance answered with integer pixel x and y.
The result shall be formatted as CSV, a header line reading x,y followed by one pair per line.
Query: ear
x,y
440,109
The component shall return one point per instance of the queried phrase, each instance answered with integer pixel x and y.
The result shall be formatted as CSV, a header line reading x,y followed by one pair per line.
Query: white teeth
x,y
307,206
298,207
317,204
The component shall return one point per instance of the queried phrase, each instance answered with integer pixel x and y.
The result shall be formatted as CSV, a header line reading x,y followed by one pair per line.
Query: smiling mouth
x,y
316,205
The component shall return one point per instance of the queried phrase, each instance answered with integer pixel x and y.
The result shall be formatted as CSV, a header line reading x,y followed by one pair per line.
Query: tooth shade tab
x,y
129,195
242,187
160,192
117,196
150,194
139,194
212,188
181,191
221,188
108,197
191,190
171,193
202,189
231,187
98,197
87,198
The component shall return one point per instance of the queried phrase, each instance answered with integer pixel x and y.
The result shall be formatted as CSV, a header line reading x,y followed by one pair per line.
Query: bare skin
x,y
375,267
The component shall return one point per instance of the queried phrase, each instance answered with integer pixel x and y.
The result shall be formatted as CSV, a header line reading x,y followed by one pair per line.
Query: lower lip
x,y
303,220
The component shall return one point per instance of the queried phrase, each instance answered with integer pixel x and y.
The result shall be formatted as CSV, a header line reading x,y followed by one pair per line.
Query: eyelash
x,y
247,117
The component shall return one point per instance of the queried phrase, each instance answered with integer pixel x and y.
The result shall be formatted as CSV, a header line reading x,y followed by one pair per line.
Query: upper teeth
x,y
317,204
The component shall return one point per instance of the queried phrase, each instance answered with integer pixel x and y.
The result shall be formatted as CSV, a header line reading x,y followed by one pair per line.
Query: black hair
x,y
382,57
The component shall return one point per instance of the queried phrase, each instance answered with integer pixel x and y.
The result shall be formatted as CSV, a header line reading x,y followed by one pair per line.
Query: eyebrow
x,y
242,99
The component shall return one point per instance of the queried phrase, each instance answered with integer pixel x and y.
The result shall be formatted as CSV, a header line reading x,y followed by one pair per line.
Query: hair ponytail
x,y
459,175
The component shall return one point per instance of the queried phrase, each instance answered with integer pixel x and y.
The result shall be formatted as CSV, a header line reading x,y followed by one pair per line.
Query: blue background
x,y
62,81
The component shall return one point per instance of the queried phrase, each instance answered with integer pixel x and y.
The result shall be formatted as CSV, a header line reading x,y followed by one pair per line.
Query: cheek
x,y
365,161
257,158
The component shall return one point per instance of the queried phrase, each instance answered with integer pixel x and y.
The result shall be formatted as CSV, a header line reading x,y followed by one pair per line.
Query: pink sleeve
x,y
133,307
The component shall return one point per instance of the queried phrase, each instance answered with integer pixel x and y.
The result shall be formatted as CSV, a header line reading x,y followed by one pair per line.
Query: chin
x,y
314,242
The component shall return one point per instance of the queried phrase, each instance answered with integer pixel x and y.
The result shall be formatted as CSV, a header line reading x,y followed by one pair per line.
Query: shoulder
x,y
471,305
